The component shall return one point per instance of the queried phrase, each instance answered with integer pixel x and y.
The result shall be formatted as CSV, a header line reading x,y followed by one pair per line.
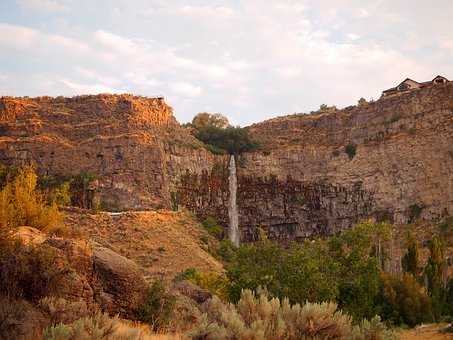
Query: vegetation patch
x,y
157,310
350,150
219,137
415,211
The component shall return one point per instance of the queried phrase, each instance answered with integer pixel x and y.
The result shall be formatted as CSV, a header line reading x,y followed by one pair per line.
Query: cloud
x,y
88,88
242,56
186,89
43,5
213,12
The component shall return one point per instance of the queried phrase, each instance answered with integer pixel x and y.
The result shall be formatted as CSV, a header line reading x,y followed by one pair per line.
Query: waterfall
x,y
232,206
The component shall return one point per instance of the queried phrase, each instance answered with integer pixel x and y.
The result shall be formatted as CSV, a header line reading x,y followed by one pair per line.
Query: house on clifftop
x,y
409,85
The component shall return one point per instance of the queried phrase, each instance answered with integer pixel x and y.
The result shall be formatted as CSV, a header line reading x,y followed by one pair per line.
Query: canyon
x,y
314,174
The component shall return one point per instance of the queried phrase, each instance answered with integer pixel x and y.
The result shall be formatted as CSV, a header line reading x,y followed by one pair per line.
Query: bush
x,y
22,204
215,283
404,300
259,317
157,311
60,310
81,193
350,150
12,314
212,227
30,272
100,326
415,211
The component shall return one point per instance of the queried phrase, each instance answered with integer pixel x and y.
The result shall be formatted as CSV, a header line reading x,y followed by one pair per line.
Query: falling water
x,y
232,207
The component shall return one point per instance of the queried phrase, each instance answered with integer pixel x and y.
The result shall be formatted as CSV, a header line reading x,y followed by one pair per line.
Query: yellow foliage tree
x,y
22,204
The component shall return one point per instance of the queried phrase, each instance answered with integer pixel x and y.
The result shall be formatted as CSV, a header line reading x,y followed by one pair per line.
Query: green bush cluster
x,y
349,269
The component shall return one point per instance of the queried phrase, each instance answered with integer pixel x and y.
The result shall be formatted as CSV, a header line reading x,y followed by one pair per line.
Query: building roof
x,y
422,84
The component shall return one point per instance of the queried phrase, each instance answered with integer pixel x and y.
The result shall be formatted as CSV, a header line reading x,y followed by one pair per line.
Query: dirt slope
x,y
164,243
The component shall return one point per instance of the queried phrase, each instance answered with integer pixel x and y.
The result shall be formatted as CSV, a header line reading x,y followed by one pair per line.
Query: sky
x,y
248,59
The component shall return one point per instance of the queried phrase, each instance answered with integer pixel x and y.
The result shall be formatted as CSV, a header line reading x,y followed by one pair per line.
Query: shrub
x,y
60,310
30,272
81,192
157,310
372,329
404,300
259,317
216,283
100,326
12,313
415,211
350,150
212,227
21,203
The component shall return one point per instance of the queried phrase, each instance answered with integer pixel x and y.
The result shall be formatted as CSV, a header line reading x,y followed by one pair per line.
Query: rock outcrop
x,y
122,287
315,174
96,275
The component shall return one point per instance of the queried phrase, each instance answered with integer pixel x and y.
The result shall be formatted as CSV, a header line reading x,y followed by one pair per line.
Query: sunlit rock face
x,y
313,175
130,143
318,174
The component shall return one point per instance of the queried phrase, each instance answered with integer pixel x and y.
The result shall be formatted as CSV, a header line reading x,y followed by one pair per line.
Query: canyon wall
x,y
389,160
314,174
129,143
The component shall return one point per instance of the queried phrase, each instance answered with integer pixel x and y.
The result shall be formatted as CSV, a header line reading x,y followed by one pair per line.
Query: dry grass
x,y
164,243
424,332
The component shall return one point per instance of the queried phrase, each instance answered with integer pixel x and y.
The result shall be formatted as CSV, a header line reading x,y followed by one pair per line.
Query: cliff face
x,y
315,174
126,141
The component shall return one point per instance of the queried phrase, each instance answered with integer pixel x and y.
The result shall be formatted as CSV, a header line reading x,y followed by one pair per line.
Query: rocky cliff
x,y
130,143
315,174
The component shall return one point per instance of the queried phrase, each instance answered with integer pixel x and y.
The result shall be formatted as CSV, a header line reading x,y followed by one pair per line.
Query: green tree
x,y
360,253
404,301
410,260
435,275
233,140
204,119
362,102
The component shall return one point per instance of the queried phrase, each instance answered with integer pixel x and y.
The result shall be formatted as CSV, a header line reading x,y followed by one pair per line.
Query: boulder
x,y
192,291
29,235
120,287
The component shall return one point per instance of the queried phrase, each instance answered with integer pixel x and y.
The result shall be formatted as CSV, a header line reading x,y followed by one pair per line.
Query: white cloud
x,y
243,56
44,5
212,12
353,36
186,89
88,88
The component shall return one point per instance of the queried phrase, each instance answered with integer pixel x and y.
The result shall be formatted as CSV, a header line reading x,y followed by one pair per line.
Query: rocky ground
x,y
162,242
